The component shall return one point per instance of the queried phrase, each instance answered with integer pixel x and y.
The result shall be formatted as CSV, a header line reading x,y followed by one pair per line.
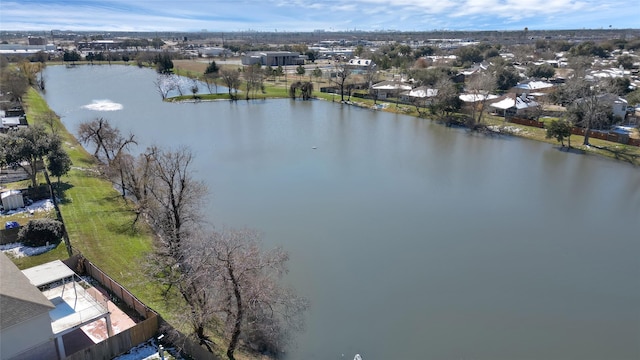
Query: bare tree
x,y
112,144
254,78
174,198
446,100
165,84
342,73
14,83
137,179
210,82
252,302
101,134
371,77
106,137
231,79
480,87
588,104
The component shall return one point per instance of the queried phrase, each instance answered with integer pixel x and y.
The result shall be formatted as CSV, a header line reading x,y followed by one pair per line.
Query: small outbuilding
x,y
12,199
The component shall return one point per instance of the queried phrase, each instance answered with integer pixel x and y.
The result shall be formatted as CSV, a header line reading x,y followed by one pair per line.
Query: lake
x,y
411,240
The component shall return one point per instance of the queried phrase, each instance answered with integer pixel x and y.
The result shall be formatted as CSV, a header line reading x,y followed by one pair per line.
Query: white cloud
x,y
299,15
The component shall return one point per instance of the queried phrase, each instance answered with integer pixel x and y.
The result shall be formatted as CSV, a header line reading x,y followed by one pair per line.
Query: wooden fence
x,y
119,343
116,289
125,340
527,122
185,344
613,137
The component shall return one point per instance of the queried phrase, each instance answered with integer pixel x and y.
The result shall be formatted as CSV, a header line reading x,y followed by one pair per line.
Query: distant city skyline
x,y
327,15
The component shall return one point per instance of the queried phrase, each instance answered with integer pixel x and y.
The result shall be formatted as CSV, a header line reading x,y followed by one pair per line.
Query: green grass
x,y
600,147
98,222
97,219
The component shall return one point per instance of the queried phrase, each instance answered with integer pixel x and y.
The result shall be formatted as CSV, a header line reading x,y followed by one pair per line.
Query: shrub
x,y
39,232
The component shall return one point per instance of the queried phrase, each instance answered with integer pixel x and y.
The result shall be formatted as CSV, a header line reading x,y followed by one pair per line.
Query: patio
x,y
83,314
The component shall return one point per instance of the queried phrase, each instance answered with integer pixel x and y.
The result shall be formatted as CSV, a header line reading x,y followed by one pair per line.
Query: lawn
x,y
99,224
98,220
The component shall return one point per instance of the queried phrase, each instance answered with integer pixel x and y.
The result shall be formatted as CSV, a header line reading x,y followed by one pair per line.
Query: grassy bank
x,y
97,219
277,88
99,223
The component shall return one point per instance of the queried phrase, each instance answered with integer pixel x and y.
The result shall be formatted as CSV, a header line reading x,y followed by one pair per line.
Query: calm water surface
x,y
412,240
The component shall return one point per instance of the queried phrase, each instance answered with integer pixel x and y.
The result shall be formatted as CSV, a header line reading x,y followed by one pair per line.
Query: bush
x,y
39,232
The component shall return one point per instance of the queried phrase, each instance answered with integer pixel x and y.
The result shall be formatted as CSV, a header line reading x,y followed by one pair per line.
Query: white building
x,y
12,199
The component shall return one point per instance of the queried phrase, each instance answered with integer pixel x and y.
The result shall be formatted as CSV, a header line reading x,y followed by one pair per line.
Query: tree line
x,y
225,276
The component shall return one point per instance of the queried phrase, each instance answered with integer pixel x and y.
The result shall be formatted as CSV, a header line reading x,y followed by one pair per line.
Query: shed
x,y
12,199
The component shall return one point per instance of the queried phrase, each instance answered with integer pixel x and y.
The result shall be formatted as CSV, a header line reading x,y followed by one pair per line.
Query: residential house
x,y
391,88
514,105
41,309
475,98
421,94
617,104
475,69
533,86
25,325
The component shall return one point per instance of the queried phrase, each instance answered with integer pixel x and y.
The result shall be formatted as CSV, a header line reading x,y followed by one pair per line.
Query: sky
x,y
310,15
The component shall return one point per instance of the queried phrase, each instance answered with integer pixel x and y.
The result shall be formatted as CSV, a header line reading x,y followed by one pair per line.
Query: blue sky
x,y
330,15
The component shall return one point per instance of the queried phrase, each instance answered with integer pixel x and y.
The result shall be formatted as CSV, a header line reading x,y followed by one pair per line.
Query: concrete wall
x,y
28,340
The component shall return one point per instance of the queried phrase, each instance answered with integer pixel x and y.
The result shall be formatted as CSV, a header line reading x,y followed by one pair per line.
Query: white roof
x,y
8,193
48,273
391,85
477,97
534,85
422,92
360,62
11,121
519,103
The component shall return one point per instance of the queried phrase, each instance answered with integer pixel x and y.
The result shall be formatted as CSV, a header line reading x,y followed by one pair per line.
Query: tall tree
x,y
300,70
480,87
317,73
506,77
560,130
543,71
108,141
254,78
210,75
231,79
14,83
58,161
164,64
174,198
27,148
342,73
253,303
588,106
446,101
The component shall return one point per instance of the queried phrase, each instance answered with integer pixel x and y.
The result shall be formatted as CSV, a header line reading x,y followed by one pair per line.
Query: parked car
x,y
11,225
